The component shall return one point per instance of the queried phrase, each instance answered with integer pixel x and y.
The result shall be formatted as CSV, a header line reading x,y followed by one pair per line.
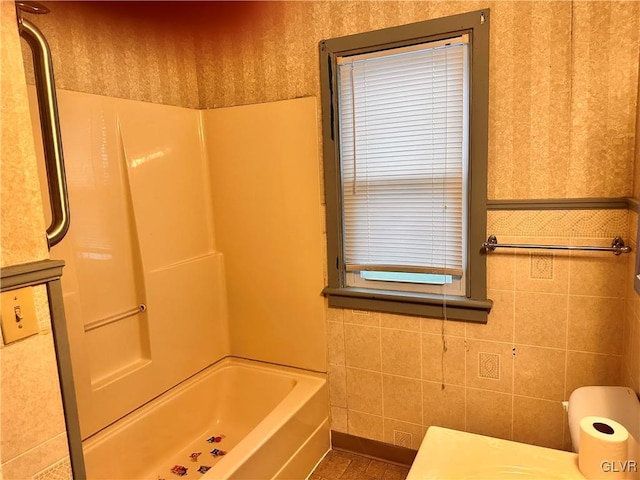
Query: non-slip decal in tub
x,y
181,470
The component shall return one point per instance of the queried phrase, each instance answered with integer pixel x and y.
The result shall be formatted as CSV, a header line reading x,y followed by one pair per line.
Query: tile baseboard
x,y
372,448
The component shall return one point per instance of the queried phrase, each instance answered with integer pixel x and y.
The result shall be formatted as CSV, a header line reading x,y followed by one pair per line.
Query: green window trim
x,y
475,306
408,303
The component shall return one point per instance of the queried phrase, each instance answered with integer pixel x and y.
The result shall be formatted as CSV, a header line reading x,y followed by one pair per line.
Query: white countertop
x,y
451,454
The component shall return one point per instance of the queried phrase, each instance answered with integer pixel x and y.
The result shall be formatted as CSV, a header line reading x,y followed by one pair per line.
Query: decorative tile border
x,y
60,470
558,223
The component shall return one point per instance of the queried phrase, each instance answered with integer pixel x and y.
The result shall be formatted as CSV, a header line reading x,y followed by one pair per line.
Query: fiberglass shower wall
x,y
141,234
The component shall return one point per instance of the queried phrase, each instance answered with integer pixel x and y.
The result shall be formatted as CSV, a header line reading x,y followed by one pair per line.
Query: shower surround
x,y
169,266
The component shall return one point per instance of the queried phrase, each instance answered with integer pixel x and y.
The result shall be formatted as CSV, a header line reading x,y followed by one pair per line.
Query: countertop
x,y
451,454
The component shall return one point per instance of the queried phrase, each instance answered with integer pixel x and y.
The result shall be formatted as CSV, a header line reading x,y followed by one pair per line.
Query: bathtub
x,y
273,420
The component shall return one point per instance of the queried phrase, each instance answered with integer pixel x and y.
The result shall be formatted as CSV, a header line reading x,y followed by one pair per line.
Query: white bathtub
x,y
274,421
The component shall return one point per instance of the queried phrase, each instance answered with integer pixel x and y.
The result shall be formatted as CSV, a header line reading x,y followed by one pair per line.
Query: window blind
x,y
403,149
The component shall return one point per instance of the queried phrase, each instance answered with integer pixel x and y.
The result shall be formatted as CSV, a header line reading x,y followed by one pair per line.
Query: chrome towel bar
x,y
114,318
617,246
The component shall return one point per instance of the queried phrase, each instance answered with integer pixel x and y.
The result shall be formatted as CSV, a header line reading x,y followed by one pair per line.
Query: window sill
x,y
407,303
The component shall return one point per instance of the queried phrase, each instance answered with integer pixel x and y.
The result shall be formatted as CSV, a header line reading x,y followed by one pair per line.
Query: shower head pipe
x,y
50,126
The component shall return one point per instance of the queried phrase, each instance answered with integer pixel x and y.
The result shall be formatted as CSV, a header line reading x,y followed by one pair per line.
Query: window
x,y
405,147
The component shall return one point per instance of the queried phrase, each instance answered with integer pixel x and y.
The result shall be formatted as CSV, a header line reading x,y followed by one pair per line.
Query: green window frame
x,y
472,305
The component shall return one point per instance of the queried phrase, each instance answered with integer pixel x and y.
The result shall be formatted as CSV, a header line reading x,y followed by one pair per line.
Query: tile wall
x,y
33,436
631,337
556,324
631,350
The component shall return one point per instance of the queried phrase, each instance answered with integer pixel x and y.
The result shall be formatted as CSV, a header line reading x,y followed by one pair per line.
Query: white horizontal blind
x,y
404,143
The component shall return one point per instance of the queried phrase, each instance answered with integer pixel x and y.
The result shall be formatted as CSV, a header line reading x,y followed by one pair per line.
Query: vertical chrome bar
x,y
50,125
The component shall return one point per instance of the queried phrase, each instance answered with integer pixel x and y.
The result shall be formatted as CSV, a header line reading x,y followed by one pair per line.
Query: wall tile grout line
x,y
381,377
422,423
499,343
566,343
35,448
346,381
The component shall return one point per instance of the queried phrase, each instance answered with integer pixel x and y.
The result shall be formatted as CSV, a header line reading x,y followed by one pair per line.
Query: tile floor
x,y
344,465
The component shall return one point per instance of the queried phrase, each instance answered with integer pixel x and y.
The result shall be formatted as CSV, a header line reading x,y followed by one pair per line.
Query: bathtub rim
x,y
306,385
224,362
305,389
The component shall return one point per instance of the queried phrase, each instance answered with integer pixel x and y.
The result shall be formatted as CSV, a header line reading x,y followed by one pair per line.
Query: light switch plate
x,y
18,315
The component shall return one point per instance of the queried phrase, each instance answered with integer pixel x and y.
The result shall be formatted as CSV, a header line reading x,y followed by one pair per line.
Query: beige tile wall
x,y
556,324
631,328
631,339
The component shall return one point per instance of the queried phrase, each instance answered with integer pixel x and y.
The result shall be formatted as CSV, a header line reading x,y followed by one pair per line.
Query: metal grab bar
x,y
50,125
114,318
617,246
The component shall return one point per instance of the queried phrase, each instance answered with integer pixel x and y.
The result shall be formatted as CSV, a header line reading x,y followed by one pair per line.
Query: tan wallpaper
x,y
604,97
636,176
136,50
22,237
563,89
563,85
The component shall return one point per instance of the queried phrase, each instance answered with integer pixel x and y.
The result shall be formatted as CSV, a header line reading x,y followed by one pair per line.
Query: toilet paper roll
x,y
603,449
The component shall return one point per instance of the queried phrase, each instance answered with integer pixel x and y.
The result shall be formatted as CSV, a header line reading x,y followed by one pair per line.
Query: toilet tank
x,y
617,403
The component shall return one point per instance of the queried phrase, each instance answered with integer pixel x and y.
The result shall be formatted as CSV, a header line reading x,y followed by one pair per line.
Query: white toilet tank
x,y
617,403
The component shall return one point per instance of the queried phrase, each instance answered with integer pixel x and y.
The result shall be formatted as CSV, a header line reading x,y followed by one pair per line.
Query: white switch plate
x,y
18,315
